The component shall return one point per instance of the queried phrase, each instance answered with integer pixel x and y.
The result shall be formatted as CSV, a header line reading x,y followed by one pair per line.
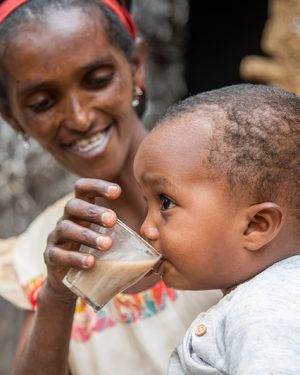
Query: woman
x,y
71,81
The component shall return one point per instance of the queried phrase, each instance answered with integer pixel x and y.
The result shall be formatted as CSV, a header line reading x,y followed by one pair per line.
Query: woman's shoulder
x,y
10,288
50,214
22,266
40,227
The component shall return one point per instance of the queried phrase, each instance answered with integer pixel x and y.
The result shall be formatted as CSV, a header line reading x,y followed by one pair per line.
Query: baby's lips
x,y
157,266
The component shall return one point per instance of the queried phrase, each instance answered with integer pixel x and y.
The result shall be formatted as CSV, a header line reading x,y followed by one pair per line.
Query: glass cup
x,y
129,260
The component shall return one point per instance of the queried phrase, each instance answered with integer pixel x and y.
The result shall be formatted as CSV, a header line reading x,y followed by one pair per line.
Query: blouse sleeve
x,y
10,287
22,267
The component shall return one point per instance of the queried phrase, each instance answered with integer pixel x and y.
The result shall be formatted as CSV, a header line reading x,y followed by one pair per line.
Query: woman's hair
x,y
37,10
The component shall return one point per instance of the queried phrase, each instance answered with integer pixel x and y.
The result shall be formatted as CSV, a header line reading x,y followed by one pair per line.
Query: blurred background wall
x,y
193,46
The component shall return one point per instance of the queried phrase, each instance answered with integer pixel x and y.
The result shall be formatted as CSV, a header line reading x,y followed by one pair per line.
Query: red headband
x,y
123,15
7,7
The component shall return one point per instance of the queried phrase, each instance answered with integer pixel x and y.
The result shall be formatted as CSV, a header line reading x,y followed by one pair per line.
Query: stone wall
x,y
163,24
29,181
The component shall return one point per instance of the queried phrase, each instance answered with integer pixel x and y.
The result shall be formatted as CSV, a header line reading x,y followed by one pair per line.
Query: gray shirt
x,y
253,330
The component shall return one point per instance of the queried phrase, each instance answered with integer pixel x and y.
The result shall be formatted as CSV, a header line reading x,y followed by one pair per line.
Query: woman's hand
x,y
72,230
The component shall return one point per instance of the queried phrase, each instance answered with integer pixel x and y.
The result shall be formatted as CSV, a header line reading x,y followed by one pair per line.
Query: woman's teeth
x,y
84,145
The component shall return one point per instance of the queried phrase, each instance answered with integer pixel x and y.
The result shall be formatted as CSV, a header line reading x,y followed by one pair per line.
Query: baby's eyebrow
x,y
156,181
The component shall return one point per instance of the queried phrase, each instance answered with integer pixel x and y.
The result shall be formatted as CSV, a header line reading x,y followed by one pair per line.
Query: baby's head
x,y
220,173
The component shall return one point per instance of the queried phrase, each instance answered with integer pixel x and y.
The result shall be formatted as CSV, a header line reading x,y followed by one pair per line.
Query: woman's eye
x,y
166,203
42,105
98,81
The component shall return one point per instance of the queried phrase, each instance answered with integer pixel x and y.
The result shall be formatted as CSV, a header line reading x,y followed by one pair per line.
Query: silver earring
x,y
136,96
26,141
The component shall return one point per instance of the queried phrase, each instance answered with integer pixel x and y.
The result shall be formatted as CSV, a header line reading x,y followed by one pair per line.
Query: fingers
x,y
88,189
68,231
73,229
56,257
81,210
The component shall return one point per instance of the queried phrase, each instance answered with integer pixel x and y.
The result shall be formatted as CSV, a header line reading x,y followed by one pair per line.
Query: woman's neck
x,y
131,207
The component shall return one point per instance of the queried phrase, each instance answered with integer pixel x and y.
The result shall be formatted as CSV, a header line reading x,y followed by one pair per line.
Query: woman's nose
x,y
78,116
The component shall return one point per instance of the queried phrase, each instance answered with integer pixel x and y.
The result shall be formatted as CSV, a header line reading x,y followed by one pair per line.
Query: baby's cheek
x,y
170,279
178,283
174,248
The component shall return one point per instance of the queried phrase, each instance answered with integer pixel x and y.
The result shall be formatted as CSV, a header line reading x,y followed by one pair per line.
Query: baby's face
x,y
191,221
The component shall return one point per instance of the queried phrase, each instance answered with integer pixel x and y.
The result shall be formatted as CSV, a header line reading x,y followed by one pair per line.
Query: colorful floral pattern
x,y
122,309
32,289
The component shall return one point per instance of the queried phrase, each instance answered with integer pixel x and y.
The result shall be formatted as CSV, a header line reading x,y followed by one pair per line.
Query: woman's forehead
x,y
70,21
67,38
59,24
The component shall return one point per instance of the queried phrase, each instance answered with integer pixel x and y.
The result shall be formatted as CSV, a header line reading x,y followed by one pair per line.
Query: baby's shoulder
x,y
269,297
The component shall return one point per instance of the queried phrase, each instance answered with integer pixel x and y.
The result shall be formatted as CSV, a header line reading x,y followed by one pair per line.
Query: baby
x,y
221,176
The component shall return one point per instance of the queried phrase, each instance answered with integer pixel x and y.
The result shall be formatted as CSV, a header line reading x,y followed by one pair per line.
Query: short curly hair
x,y
255,143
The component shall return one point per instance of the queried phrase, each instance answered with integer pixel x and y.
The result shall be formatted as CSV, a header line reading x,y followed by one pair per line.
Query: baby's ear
x,y
264,221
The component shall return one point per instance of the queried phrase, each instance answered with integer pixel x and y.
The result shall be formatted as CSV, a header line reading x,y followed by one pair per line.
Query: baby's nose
x,y
149,231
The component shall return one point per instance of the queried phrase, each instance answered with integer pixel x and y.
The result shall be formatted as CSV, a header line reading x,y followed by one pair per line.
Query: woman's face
x,y
71,89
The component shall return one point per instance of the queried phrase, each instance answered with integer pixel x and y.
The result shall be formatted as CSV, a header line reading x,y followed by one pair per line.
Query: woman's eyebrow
x,y
98,63
28,88
95,64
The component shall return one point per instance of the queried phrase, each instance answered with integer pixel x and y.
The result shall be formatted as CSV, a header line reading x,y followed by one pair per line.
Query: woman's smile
x,y
91,144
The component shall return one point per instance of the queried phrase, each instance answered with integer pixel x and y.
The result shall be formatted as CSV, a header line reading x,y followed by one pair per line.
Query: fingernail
x,y
102,242
87,261
112,189
107,217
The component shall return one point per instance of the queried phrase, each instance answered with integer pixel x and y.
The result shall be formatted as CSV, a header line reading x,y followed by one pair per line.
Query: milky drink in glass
x,y
115,270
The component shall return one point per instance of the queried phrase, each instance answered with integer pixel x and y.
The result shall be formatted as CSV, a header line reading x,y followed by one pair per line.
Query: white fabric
x,y
10,288
32,242
254,330
21,258
140,347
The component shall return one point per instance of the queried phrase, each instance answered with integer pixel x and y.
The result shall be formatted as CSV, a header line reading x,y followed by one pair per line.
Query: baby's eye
x,y
166,203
